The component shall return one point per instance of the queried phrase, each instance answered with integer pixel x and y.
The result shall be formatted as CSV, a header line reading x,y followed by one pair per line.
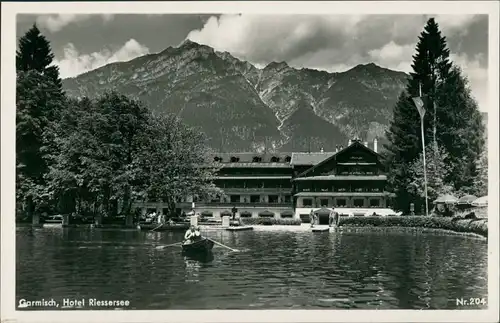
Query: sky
x,y
334,43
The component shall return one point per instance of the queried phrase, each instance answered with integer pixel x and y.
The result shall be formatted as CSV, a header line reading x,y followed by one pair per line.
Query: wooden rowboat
x,y
202,246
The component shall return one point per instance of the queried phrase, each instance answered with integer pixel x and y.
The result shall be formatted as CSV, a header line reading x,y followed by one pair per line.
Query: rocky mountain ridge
x,y
243,108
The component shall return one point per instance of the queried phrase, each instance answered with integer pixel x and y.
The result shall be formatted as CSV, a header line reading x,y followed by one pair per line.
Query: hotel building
x,y
290,185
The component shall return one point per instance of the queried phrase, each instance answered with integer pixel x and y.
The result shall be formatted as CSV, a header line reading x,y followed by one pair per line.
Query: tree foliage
x,y
452,120
437,171
38,106
118,153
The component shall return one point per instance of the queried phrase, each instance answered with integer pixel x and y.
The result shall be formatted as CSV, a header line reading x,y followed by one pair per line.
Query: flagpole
x,y
421,111
425,167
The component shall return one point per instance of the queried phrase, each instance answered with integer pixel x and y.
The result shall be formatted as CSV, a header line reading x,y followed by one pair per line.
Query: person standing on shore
x,y
333,218
312,218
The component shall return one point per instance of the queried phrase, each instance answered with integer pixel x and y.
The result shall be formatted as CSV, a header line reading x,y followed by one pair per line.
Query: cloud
x,y
73,63
55,23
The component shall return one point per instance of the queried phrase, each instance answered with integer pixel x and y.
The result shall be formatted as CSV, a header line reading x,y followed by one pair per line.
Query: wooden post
x,y
35,220
194,220
65,220
225,221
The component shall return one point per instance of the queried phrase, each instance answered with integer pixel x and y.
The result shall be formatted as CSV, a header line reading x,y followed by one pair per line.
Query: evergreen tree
x,y
451,120
35,53
461,130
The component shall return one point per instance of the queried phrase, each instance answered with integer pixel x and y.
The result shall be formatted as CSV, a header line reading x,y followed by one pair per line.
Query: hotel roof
x,y
312,158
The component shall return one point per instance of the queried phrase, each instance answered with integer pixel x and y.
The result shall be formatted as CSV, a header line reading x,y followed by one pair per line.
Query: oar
x,y
170,245
220,244
157,227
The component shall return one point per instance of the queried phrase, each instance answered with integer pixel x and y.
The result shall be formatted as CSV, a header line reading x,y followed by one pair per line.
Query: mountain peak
x,y
277,65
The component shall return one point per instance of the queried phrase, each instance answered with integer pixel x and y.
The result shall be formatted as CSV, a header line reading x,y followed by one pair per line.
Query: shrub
x,y
477,226
270,221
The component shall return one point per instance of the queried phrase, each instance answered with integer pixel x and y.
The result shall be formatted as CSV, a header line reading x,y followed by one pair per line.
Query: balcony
x,y
257,190
243,204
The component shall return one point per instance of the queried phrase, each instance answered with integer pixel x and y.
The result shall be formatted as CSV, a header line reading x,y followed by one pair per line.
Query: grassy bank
x,y
476,226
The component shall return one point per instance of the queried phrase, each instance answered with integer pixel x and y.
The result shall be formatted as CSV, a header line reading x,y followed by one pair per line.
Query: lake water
x,y
272,270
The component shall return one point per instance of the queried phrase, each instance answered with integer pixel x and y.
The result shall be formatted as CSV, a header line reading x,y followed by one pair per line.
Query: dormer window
x,y
257,159
275,160
235,159
288,159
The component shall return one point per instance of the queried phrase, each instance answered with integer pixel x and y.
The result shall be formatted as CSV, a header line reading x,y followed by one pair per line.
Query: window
x,y
288,159
257,159
235,159
165,211
254,198
307,202
341,202
273,198
374,202
288,198
358,202
323,202
217,159
215,199
150,210
275,159
235,198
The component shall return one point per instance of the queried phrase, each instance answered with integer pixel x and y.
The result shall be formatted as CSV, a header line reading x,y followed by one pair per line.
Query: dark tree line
x,y
97,156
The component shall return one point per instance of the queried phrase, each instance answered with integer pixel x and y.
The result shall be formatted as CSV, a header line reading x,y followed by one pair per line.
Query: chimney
x,y
336,148
322,149
350,142
366,143
375,142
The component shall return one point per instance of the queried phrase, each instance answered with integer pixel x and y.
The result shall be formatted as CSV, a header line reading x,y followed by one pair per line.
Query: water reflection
x,y
274,270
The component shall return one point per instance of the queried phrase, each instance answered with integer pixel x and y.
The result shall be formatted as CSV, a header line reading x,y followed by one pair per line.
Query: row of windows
x,y
255,199
342,203
255,159
340,189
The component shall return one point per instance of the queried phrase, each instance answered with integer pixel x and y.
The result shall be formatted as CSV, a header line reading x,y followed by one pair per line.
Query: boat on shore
x,y
164,227
201,246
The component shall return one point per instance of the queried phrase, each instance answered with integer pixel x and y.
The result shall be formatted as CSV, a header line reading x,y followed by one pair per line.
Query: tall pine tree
x,y
35,54
451,119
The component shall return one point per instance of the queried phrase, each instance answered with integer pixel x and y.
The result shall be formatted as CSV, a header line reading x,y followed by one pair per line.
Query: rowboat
x,y
165,226
202,246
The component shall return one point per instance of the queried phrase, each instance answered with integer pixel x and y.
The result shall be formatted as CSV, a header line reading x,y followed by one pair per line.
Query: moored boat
x,y
200,246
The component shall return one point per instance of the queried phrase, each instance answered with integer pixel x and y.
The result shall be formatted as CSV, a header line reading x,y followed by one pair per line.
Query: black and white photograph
x,y
250,157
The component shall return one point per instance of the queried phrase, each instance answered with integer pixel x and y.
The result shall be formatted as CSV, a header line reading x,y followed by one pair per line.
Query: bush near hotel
x,y
270,221
456,224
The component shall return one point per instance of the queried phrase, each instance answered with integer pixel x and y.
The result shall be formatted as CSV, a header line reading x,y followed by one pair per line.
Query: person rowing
x,y
189,235
197,234
192,234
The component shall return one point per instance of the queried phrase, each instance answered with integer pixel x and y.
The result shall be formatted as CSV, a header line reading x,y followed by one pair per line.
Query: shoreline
x,y
475,228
